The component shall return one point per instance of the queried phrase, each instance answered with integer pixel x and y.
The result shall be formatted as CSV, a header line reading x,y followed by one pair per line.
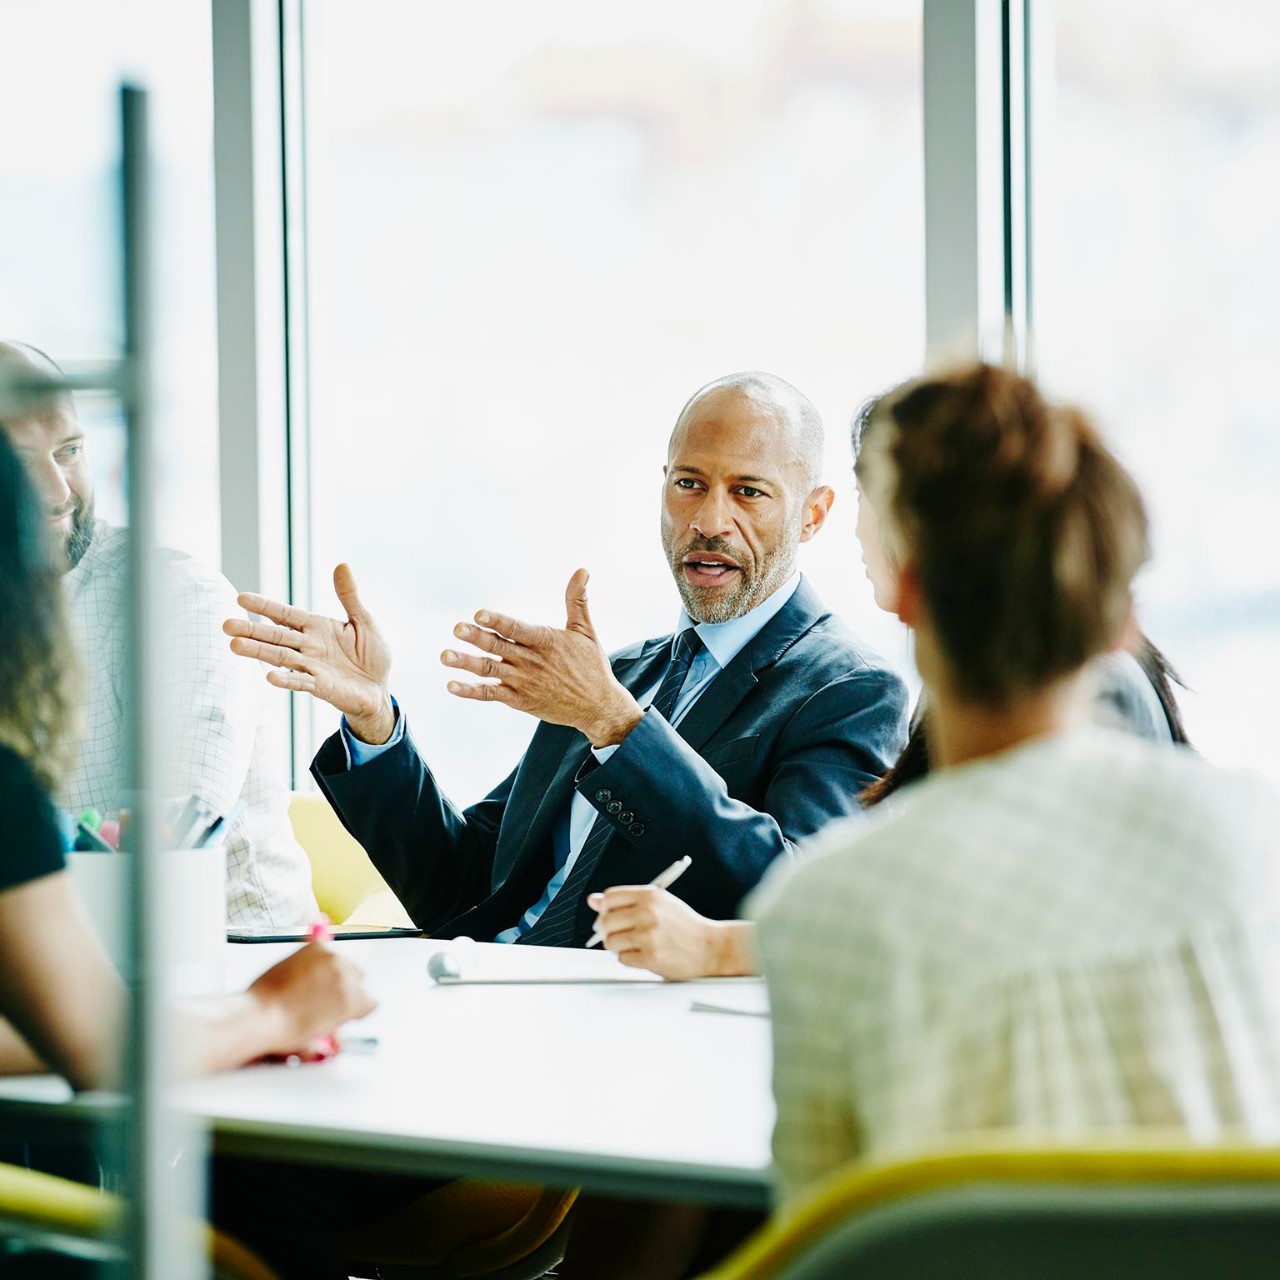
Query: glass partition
x,y
63,264
61,65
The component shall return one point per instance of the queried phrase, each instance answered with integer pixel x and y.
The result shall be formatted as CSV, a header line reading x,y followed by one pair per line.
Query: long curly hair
x,y
39,674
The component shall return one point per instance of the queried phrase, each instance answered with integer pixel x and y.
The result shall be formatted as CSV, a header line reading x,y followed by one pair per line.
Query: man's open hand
x,y
562,677
347,664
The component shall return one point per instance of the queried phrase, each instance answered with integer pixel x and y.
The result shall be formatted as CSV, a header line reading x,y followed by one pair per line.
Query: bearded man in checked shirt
x,y
216,738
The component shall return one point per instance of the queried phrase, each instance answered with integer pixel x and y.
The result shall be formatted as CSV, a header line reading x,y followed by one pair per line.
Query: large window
x,y
534,231
61,65
1157,273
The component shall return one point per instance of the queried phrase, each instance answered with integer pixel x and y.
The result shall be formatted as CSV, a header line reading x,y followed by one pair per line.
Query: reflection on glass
x,y
1157,270
535,231
65,874
61,65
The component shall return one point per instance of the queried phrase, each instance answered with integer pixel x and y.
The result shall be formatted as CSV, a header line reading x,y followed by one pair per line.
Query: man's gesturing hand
x,y
562,677
347,664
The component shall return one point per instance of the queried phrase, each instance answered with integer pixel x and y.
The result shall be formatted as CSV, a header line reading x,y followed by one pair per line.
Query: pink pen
x,y
323,1046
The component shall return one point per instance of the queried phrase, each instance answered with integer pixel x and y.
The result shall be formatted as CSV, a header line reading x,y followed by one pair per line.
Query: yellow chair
x,y
1150,1209
40,1211
345,882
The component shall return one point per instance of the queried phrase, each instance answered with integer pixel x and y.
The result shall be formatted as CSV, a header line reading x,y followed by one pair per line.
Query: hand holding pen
x,y
312,992
323,1046
648,928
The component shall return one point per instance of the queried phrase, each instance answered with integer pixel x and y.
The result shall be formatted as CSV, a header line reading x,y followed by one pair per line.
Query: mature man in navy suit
x,y
755,724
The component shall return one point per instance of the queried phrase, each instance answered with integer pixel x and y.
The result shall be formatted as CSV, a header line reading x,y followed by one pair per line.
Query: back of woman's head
x,y
1024,530
38,712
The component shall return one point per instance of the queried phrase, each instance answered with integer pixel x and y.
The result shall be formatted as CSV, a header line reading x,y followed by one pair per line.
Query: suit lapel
x,y
726,692
545,788
638,674
541,791
642,672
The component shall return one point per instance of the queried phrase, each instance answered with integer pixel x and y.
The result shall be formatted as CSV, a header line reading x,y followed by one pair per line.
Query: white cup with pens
x,y
193,894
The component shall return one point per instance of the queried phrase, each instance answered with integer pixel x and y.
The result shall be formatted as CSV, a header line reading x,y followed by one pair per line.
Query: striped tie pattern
x,y
555,927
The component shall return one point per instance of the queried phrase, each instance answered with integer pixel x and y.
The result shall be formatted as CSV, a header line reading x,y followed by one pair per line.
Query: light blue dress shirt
x,y
722,642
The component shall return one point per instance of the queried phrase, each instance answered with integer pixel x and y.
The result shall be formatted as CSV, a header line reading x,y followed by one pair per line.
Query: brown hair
x,y
39,676
1024,530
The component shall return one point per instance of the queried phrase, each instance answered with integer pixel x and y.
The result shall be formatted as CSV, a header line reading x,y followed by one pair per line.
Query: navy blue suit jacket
x,y
779,744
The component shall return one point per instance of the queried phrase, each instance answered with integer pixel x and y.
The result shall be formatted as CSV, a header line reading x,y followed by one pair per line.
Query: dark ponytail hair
x,y
913,762
1162,675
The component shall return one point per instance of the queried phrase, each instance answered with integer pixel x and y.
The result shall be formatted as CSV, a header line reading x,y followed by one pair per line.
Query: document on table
x,y
494,962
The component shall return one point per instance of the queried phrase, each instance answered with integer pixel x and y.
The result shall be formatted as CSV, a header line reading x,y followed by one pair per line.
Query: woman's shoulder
x,y
31,846
16,774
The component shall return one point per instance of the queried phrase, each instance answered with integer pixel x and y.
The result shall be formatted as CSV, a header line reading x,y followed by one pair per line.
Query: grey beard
x,y
748,595
81,535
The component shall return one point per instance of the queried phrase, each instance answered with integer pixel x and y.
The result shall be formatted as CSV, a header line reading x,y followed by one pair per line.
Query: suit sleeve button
x,y
604,794
637,829
626,817
615,806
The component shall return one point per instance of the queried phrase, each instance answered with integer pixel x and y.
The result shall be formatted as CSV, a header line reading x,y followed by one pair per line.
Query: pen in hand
x,y
663,881
323,1047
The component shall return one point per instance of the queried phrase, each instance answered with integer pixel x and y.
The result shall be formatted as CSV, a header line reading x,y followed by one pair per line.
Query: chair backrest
x,y
342,876
1003,1213
43,1211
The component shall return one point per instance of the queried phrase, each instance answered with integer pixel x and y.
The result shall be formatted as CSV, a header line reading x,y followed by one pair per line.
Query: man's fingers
x,y
616,919
621,895
476,664
620,939
273,654
489,641
287,614
525,633
267,632
483,692
298,681
577,615
637,958
344,585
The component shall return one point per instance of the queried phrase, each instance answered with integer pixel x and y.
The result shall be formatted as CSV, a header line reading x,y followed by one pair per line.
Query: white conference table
x,y
617,1086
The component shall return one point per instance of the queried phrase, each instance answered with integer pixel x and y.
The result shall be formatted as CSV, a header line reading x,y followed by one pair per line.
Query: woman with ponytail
x,y
1061,928
1133,686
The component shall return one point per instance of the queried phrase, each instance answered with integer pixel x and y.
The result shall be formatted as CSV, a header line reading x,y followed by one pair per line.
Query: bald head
x,y
741,492
792,416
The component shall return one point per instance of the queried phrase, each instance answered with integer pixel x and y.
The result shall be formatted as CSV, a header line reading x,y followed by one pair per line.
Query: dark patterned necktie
x,y
555,927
